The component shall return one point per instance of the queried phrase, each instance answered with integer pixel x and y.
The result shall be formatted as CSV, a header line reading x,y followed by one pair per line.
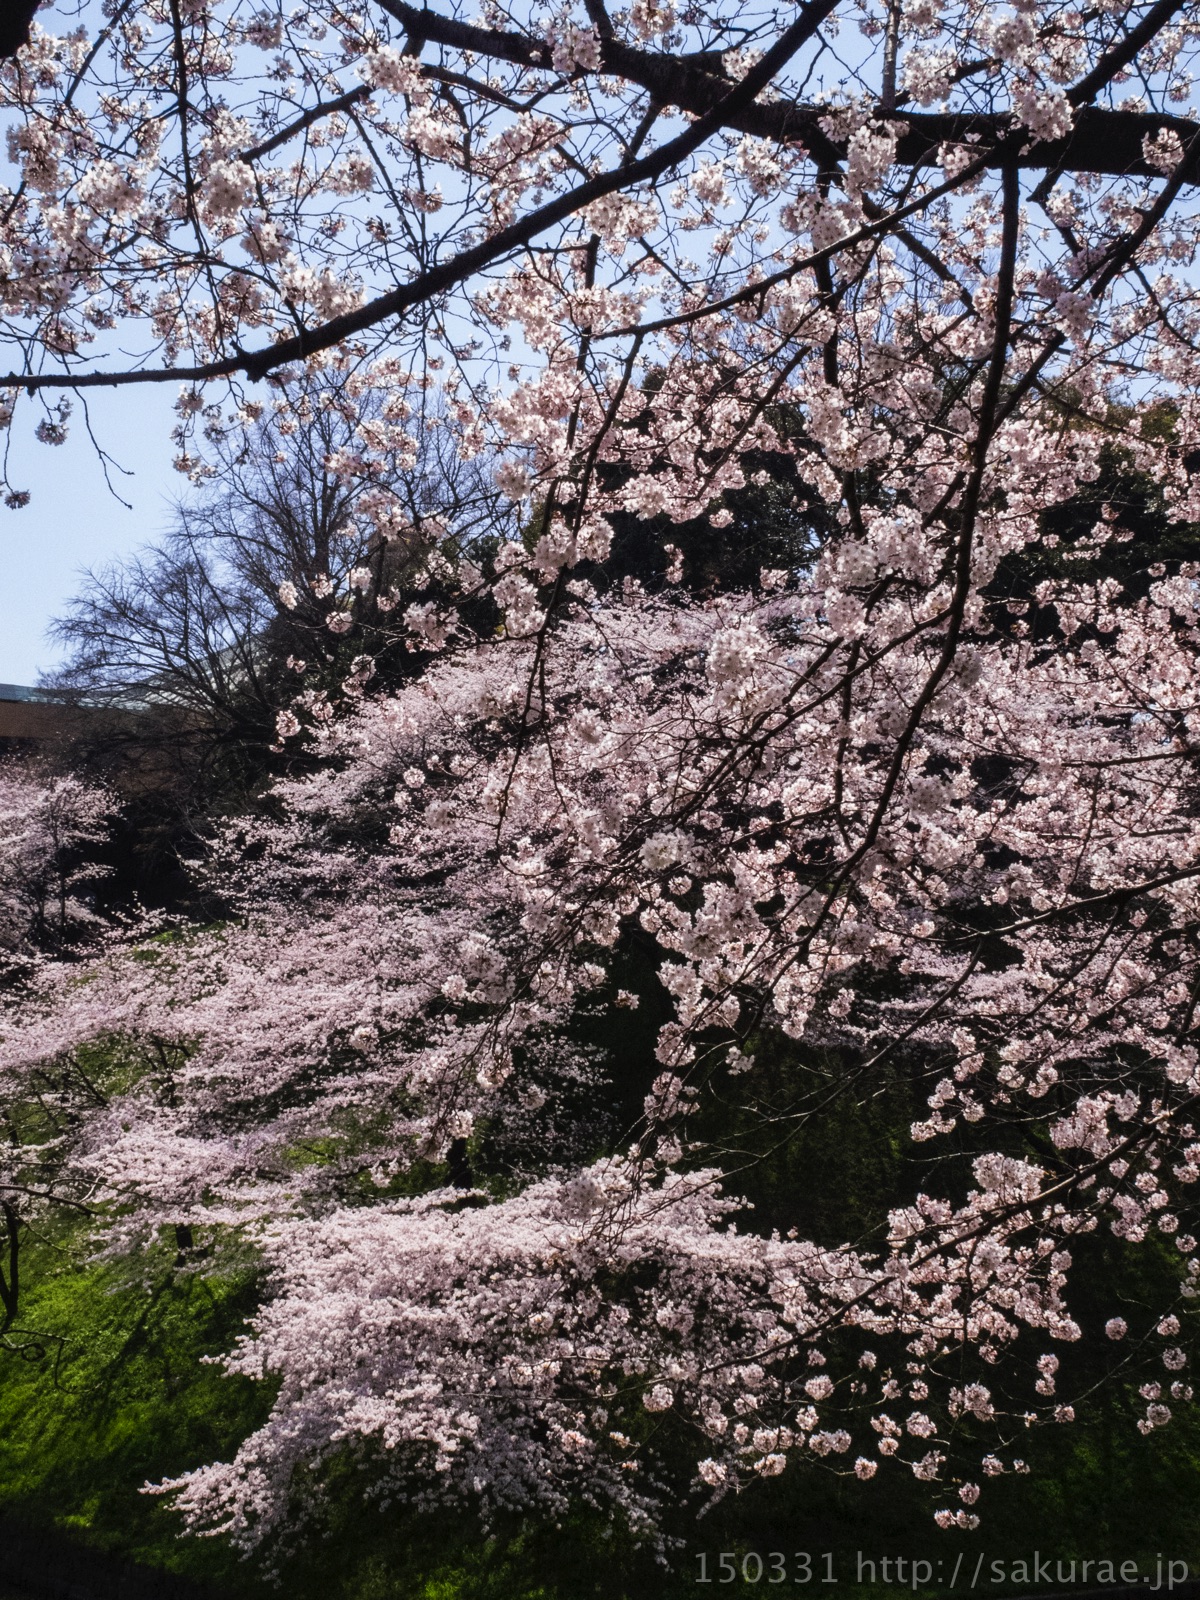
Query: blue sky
x,y
73,521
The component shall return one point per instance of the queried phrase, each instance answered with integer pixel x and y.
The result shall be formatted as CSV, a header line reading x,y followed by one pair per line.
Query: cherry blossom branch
x,y
256,364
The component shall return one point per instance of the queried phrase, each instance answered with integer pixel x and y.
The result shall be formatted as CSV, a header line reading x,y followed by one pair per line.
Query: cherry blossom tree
x,y
51,829
450,890
51,826
858,806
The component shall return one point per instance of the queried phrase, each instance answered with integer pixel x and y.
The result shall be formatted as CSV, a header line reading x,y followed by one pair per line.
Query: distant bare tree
x,y
186,651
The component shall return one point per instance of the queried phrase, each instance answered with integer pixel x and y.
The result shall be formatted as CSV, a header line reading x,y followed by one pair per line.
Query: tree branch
x,y
256,364
16,21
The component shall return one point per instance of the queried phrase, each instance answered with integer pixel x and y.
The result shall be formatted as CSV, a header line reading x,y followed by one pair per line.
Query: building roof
x,y
22,691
